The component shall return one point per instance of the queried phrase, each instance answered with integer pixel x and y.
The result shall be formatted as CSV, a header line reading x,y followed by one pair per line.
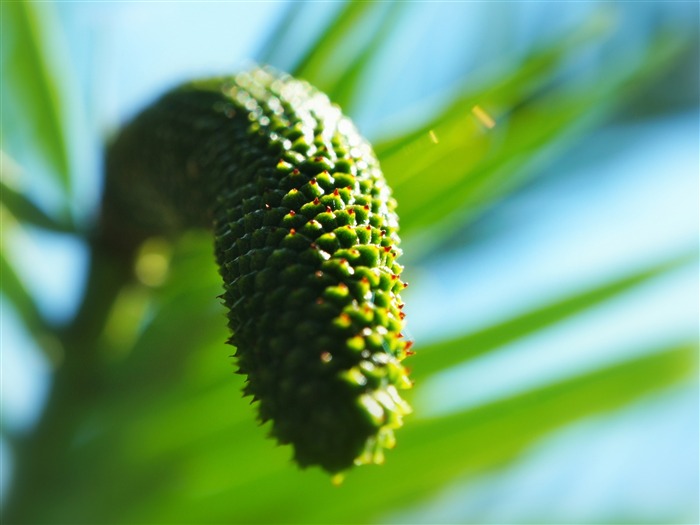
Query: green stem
x,y
40,460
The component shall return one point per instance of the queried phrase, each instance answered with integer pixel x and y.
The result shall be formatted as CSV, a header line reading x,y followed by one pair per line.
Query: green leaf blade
x,y
32,83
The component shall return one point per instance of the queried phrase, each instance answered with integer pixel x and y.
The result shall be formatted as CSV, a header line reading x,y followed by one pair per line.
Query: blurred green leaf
x,y
507,88
324,60
490,435
31,83
466,173
446,178
273,49
24,210
228,474
175,413
165,344
345,91
13,288
444,354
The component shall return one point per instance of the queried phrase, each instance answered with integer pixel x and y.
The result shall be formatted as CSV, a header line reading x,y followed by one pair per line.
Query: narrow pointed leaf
x,y
442,450
477,168
29,80
320,63
442,355
25,210
17,293
506,89
433,453
273,50
346,89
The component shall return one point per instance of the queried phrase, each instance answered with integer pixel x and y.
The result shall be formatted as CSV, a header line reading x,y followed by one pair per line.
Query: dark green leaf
x,y
13,288
25,210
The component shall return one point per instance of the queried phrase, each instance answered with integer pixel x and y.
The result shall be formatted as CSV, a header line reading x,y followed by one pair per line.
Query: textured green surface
x,y
306,241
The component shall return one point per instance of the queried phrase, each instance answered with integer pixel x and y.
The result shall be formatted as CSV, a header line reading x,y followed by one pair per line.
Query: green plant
x,y
144,422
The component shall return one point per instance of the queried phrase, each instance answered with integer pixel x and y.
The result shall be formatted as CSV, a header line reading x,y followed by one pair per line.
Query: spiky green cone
x,y
306,240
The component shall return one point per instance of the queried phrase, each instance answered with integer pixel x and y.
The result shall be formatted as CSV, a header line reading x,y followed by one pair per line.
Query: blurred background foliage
x,y
545,160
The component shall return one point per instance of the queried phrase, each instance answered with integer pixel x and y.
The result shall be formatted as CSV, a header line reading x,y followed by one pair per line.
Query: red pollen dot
x,y
328,209
312,222
351,211
336,192
402,315
292,213
366,206
408,346
343,261
387,249
325,172
312,181
292,232
348,188
394,276
409,353
295,171
318,159
382,233
405,285
401,306
364,280
316,201
368,228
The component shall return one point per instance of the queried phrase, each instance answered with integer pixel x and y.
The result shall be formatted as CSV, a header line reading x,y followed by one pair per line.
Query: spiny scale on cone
x,y
306,240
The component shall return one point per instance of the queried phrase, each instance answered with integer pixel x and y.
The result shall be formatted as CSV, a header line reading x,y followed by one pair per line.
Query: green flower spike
x,y
306,241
